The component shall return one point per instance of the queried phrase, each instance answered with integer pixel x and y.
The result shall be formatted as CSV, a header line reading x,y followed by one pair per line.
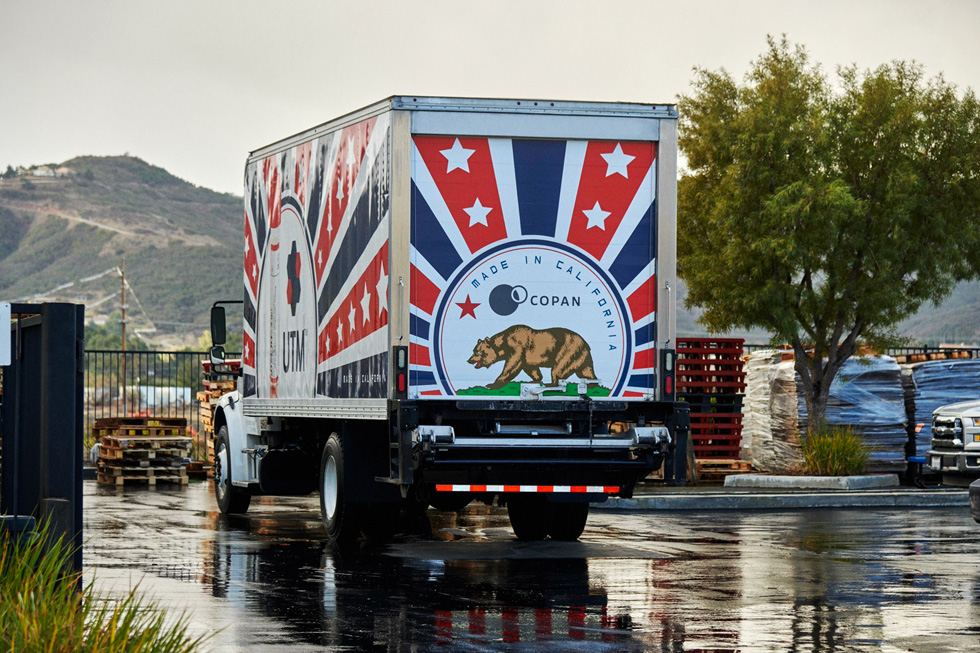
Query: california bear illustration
x,y
526,349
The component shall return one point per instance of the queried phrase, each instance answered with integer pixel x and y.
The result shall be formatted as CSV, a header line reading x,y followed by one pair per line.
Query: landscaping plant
x,y
45,607
833,451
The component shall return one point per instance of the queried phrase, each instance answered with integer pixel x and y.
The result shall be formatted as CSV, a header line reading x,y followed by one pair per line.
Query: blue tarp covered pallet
x,y
938,383
867,395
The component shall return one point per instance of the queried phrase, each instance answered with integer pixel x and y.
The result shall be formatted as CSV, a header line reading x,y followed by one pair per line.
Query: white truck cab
x,y
955,446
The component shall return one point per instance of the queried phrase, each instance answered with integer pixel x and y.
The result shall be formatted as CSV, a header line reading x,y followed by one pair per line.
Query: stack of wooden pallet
x,y
142,449
711,379
214,387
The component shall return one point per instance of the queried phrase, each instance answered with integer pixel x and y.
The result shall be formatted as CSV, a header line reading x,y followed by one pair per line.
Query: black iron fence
x,y
145,383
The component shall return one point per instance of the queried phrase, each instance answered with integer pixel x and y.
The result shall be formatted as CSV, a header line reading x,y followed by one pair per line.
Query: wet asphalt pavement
x,y
830,580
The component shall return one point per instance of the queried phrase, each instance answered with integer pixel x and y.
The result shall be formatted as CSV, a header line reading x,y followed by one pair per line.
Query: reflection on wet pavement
x,y
805,580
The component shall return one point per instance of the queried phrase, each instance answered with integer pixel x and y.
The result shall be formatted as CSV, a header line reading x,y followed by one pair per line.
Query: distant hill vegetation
x,y
65,228
62,236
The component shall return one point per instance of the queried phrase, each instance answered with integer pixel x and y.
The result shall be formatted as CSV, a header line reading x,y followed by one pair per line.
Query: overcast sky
x,y
193,86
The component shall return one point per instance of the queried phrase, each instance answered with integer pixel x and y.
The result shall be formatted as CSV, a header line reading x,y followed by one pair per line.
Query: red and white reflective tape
x,y
591,489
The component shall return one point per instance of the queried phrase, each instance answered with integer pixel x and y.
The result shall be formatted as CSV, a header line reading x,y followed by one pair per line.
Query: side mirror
x,y
219,331
217,355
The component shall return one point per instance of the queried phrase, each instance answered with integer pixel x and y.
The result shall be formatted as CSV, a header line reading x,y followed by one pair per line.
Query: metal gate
x,y
146,383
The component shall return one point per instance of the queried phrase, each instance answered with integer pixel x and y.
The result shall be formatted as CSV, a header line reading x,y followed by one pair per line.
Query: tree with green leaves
x,y
825,213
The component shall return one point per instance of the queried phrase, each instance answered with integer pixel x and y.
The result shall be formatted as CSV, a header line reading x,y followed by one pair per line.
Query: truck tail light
x,y
667,374
400,354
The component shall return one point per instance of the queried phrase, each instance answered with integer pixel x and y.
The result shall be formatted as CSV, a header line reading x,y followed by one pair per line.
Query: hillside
x,y
181,243
61,239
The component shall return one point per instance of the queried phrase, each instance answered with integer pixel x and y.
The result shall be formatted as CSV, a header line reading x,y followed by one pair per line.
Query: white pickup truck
x,y
955,446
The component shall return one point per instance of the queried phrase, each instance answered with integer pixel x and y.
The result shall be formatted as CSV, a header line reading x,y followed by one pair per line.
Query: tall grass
x,y
834,451
45,608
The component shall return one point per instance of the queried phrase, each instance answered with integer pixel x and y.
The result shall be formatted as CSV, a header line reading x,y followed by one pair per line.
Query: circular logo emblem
x,y
534,311
286,360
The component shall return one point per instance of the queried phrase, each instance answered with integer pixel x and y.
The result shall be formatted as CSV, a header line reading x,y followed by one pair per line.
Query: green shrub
x,y
834,451
45,608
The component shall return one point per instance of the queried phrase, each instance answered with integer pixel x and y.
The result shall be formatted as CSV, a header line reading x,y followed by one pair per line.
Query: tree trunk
x,y
816,376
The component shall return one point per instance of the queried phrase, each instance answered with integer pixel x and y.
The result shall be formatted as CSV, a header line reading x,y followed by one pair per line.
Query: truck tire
x,y
530,516
341,518
568,521
231,500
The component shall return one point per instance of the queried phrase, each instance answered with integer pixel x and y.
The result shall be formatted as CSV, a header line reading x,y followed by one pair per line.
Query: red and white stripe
x,y
450,193
567,489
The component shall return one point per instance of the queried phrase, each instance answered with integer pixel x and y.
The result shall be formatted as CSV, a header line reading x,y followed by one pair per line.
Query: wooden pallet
x,y
150,475
118,453
932,356
151,431
136,422
145,442
716,470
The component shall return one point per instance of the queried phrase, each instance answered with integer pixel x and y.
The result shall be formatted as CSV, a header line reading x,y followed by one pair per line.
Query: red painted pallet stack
x,y
711,379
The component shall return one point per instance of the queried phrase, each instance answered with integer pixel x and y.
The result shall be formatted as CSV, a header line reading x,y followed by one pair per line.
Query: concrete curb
x,y
789,500
864,482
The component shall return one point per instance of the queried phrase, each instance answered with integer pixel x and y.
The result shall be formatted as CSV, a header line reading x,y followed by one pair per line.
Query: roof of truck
x,y
476,105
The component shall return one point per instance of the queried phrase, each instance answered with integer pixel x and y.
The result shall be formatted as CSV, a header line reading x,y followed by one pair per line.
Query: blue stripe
x,y
418,327
644,334
421,378
639,250
538,169
642,381
319,174
429,238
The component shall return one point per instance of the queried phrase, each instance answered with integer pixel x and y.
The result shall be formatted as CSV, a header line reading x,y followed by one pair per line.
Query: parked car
x,y
955,446
975,500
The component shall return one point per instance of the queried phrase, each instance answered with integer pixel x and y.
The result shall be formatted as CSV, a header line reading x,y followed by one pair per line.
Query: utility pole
x,y
122,321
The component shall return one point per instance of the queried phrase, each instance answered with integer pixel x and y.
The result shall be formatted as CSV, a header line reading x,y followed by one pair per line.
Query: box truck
x,y
454,299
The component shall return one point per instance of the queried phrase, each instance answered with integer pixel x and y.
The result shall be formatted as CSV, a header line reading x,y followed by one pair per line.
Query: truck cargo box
x,y
511,249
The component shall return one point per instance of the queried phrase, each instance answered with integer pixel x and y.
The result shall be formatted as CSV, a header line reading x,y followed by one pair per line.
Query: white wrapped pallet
x,y
769,434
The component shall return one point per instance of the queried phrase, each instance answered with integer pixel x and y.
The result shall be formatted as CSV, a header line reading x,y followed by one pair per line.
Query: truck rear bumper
x,y
616,472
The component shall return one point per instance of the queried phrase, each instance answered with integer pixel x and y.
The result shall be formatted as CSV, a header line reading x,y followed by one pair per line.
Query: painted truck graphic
x,y
563,229
566,229
316,261
450,299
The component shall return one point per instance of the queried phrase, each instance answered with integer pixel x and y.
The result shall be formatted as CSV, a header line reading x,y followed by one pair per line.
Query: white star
x,y
255,270
478,213
350,318
457,157
351,159
340,331
328,345
366,304
246,351
319,258
382,290
617,161
340,190
597,217
247,246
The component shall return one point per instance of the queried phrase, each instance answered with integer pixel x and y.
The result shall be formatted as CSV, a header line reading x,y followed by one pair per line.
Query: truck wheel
x,y
231,500
340,517
529,516
568,520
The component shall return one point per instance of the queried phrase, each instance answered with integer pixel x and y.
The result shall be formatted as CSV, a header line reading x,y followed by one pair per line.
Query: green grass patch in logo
x,y
513,389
